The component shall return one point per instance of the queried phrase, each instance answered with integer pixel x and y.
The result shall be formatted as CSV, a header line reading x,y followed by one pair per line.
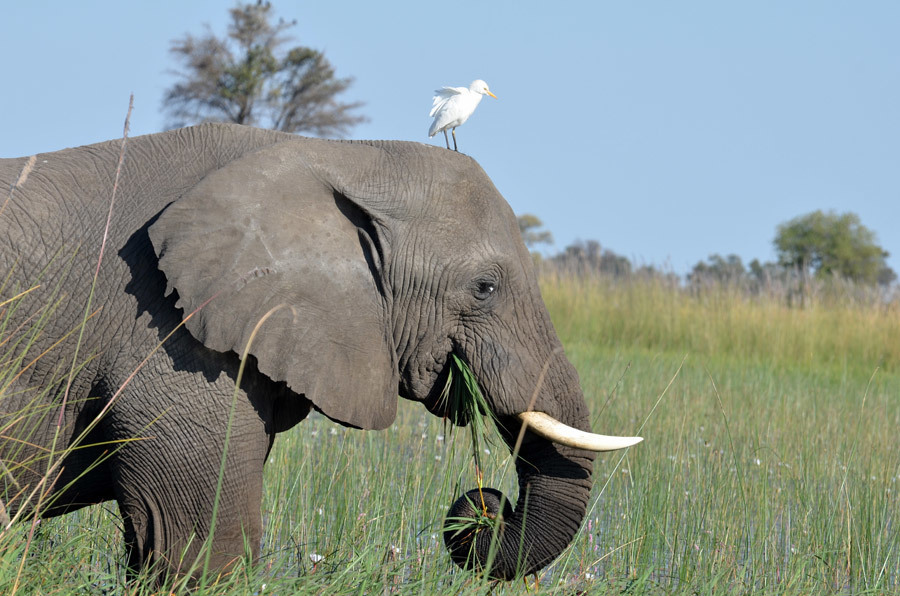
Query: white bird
x,y
453,105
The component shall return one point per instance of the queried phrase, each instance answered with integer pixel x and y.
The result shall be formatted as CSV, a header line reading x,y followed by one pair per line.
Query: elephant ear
x,y
267,231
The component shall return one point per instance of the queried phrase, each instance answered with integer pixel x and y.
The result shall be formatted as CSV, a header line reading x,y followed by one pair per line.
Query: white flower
x,y
439,438
333,431
589,575
757,461
315,558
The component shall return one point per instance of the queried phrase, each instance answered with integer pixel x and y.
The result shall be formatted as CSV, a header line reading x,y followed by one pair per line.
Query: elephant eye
x,y
485,289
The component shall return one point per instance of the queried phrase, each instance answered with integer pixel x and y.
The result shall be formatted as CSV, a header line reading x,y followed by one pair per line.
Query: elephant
x,y
357,268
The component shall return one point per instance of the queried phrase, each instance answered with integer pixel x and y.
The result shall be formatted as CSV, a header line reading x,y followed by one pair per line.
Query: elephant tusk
x,y
552,429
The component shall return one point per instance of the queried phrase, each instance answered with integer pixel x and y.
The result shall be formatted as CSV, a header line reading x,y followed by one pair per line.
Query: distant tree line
x,y
816,247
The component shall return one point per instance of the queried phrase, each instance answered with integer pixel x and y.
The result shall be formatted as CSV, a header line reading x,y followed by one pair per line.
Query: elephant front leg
x,y
179,515
175,525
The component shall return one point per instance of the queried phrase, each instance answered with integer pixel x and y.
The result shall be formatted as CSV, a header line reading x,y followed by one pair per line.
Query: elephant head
x,y
385,259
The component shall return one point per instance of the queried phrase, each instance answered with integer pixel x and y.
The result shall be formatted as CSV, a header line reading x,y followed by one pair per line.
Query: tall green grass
x,y
772,463
838,330
770,466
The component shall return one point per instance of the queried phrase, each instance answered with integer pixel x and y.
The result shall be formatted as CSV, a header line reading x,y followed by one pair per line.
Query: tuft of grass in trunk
x,y
466,405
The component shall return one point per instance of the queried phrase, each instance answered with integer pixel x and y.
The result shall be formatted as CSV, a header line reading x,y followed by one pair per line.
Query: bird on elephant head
x,y
452,106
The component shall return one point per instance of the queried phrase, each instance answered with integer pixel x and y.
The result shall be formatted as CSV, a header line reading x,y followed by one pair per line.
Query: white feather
x,y
452,106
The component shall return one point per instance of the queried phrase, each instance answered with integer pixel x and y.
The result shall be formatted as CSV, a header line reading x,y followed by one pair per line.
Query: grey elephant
x,y
371,263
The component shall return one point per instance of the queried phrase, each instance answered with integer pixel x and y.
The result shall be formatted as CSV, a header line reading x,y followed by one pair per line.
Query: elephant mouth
x,y
460,399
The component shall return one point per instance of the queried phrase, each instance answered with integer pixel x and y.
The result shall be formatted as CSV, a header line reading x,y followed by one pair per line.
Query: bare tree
x,y
245,78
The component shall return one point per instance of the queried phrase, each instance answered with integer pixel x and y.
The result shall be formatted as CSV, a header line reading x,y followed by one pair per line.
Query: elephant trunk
x,y
554,486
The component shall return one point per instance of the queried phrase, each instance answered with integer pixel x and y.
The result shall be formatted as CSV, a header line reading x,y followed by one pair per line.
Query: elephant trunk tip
x,y
473,521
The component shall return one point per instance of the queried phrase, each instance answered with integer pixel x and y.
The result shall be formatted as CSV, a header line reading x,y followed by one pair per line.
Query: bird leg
x,y
447,139
453,132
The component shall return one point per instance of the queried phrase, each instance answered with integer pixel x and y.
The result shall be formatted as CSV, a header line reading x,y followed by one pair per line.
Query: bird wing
x,y
442,96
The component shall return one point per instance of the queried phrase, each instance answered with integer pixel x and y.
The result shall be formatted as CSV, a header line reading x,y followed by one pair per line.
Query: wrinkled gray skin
x,y
389,256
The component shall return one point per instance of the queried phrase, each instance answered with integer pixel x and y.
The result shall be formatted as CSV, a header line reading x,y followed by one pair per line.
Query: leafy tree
x,y
590,257
246,78
827,244
532,234
763,274
729,269
886,276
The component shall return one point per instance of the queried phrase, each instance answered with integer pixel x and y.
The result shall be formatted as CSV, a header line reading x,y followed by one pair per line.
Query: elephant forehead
x,y
413,170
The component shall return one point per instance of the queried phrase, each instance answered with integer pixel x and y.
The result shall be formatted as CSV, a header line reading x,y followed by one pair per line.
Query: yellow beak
x,y
491,94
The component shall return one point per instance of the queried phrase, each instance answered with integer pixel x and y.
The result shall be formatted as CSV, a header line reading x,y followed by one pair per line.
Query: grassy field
x,y
770,465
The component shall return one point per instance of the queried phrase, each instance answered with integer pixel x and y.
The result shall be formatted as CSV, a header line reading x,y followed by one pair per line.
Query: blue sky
x,y
665,130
